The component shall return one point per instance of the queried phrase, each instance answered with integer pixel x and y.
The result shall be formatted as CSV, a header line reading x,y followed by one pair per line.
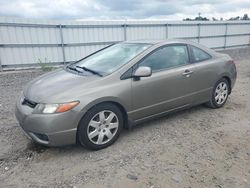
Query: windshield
x,y
112,58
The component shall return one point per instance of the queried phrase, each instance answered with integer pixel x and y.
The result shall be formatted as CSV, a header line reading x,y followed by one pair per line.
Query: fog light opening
x,y
43,137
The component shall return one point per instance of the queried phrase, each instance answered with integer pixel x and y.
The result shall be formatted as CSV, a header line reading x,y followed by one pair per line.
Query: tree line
x,y
200,18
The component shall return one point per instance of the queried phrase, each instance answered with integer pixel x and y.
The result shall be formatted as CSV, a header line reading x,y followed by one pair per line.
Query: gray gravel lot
x,y
199,147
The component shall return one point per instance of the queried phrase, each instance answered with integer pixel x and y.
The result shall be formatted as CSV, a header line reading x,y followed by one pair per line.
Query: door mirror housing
x,y
142,71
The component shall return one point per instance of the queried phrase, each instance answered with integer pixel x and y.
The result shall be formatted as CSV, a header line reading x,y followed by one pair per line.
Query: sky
x,y
123,9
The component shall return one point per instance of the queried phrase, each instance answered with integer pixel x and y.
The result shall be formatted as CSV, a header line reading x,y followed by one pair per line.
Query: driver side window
x,y
167,57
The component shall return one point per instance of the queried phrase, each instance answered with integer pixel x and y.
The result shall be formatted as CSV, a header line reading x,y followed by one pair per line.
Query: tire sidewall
x,y
83,126
213,94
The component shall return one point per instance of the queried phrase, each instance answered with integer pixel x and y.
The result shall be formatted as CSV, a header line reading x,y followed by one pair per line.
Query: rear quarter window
x,y
199,54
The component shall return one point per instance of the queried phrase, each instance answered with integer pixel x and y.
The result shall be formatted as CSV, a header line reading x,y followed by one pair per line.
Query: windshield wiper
x,y
74,69
89,70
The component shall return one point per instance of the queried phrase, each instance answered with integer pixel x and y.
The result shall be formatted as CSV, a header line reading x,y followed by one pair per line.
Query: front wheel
x,y
100,127
220,94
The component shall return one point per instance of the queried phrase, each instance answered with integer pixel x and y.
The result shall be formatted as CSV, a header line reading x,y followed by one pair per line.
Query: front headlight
x,y
54,108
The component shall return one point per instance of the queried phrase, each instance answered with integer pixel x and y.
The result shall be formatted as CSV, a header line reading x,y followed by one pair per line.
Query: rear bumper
x,y
234,79
48,129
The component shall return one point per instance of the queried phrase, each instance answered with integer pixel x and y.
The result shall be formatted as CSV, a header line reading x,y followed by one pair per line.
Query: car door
x,y
169,87
205,68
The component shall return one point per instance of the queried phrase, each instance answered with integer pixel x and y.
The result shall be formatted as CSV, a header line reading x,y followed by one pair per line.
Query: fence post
x,y
199,32
166,31
62,43
125,31
225,39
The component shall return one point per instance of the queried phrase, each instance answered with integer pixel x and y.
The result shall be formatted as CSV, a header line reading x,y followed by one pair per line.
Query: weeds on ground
x,y
45,65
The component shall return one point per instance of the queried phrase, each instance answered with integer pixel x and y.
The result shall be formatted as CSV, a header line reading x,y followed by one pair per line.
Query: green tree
x,y
245,17
187,19
198,18
235,18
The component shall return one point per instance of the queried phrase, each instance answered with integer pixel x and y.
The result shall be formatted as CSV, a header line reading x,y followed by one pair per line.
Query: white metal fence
x,y
25,42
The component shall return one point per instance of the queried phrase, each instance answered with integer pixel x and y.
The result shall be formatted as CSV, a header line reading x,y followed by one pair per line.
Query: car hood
x,y
58,86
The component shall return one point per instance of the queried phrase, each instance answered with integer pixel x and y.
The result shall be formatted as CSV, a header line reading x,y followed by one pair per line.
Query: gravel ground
x,y
199,147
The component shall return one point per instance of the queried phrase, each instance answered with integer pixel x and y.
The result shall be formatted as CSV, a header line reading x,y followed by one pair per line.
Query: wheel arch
x,y
227,77
229,82
113,101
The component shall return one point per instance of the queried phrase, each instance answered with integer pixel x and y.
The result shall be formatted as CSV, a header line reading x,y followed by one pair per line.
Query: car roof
x,y
167,41
158,41
172,41
143,41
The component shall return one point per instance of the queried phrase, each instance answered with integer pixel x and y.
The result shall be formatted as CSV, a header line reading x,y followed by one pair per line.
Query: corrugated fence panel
x,y
19,56
146,32
217,42
26,42
83,35
239,29
78,52
238,40
182,31
193,40
29,35
212,30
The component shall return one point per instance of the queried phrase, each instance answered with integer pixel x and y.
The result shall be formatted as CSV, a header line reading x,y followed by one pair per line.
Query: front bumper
x,y
48,129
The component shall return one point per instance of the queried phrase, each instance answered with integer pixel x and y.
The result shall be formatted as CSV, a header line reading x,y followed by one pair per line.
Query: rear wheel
x,y
220,94
100,127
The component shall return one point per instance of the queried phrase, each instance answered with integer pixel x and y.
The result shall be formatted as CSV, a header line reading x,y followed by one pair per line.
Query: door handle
x,y
187,73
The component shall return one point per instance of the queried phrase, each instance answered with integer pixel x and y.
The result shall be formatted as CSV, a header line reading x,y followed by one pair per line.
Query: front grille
x,y
29,103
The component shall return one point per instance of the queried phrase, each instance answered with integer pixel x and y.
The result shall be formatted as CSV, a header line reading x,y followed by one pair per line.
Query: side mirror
x,y
142,72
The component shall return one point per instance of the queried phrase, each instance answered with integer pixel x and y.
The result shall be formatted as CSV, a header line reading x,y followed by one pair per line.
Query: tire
x,y
100,127
220,94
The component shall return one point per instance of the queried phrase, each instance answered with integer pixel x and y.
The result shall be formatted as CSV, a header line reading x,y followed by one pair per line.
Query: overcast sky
x,y
123,9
